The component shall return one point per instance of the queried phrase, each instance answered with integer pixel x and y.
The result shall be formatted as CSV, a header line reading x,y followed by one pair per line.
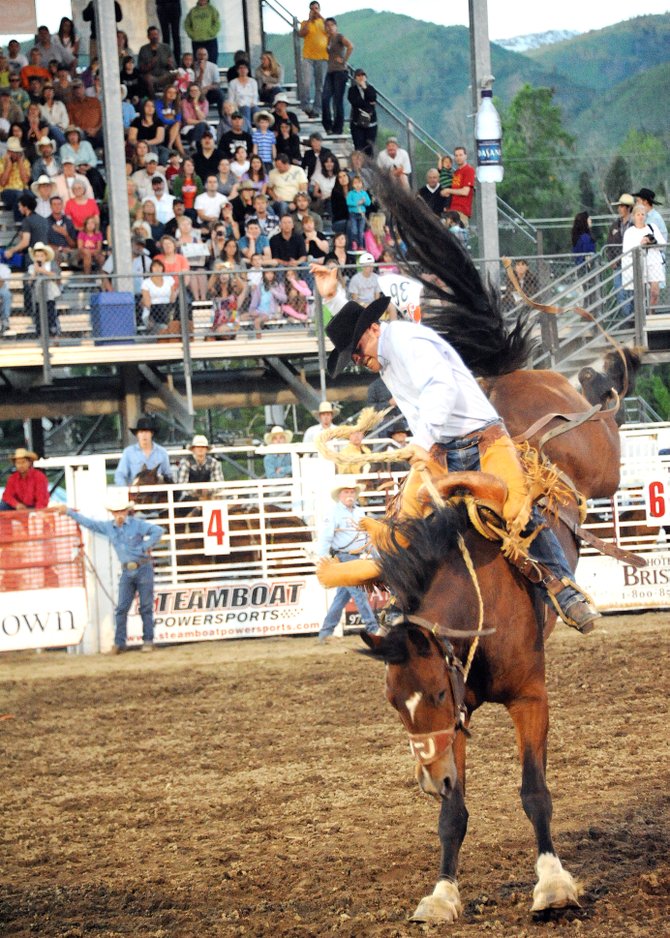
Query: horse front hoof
x,y
555,888
443,906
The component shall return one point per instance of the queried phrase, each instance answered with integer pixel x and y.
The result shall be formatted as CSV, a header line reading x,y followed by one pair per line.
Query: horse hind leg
x,y
444,903
555,887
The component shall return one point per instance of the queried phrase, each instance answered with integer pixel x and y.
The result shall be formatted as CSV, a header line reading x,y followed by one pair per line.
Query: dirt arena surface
x,y
264,788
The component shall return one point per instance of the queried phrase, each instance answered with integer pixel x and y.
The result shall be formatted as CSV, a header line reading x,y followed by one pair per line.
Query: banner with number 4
x,y
215,528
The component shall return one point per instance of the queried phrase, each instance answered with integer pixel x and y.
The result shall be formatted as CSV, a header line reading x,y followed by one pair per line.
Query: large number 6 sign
x,y
656,501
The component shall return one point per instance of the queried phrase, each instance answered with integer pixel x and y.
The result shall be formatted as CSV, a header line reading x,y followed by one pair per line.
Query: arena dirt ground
x,y
264,788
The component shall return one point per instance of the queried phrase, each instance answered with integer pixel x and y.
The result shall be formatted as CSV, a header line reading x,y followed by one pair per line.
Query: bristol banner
x,y
238,609
52,618
619,586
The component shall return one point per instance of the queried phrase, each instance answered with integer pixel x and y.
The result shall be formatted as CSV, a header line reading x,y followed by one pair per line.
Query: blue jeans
x,y
140,581
342,595
333,90
5,306
356,230
313,72
545,548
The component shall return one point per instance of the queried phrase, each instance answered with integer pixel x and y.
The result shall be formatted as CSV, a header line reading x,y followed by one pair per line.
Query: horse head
x,y
145,477
424,683
618,378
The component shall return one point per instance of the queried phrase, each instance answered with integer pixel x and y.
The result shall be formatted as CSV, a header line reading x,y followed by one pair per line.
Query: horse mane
x,y
622,366
408,573
469,316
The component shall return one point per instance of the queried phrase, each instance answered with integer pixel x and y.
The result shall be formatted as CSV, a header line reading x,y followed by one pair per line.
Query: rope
x,y
368,419
467,559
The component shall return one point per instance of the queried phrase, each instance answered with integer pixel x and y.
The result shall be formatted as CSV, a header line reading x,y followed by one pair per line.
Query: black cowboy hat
x,y
648,195
346,328
146,423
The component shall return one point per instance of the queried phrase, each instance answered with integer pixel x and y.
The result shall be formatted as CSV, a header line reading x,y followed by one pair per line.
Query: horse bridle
x,y
429,747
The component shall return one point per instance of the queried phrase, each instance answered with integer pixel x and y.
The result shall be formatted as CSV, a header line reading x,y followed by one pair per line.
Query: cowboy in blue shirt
x,y
145,454
132,538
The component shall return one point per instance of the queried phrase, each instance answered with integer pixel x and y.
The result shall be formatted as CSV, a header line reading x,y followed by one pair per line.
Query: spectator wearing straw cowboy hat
x,y
43,188
277,465
26,487
133,539
325,415
341,537
199,466
144,454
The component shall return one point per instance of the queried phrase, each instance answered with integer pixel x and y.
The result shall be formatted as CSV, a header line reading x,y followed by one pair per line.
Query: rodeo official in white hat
x,y
341,537
325,415
133,539
199,465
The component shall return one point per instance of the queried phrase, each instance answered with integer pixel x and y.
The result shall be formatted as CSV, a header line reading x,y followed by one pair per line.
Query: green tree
x,y
617,179
652,385
586,195
647,153
535,146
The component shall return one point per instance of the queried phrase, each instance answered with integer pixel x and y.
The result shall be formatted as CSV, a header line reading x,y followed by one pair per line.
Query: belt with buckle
x,y
134,564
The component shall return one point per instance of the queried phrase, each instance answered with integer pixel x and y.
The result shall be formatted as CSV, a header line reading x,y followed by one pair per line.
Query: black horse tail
x,y
470,316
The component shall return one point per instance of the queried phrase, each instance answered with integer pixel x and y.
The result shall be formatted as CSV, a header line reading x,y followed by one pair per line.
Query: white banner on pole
x,y
51,618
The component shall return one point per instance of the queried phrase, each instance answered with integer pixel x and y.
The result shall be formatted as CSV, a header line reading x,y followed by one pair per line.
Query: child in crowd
x,y
264,139
297,295
357,202
266,300
45,278
89,244
446,168
453,222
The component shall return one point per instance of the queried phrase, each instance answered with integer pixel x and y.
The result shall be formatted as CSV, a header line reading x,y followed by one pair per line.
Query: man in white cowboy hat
x,y
144,454
47,164
133,539
341,537
325,415
43,188
199,465
278,465
26,487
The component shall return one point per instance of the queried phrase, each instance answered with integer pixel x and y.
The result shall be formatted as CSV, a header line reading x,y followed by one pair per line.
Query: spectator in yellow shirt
x,y
314,58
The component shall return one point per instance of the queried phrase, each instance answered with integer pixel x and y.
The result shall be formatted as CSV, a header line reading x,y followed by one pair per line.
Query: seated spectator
x,y
34,130
128,112
172,227
256,174
268,77
155,63
243,203
288,248
63,85
26,487
34,69
123,47
138,155
133,201
168,112
19,96
86,113
65,180
209,203
207,156
454,223
239,166
207,78
431,194
159,294
79,207
78,149
298,295
43,188
227,255
255,242
46,164
316,245
15,58
282,113
322,182
161,199
395,160
187,186
364,285
339,210
54,113
285,181
149,216
173,167
227,110
172,260
131,80
185,74
526,280
143,178
239,56
377,237
315,154
340,252
89,245
35,87
147,127
194,112
62,234
263,138
288,143
243,92
14,175
265,303
358,200
65,44
227,184
10,112
302,211
264,215
196,253
236,137
277,465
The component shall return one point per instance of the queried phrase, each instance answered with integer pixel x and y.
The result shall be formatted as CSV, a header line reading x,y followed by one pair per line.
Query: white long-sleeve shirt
x,y
436,392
